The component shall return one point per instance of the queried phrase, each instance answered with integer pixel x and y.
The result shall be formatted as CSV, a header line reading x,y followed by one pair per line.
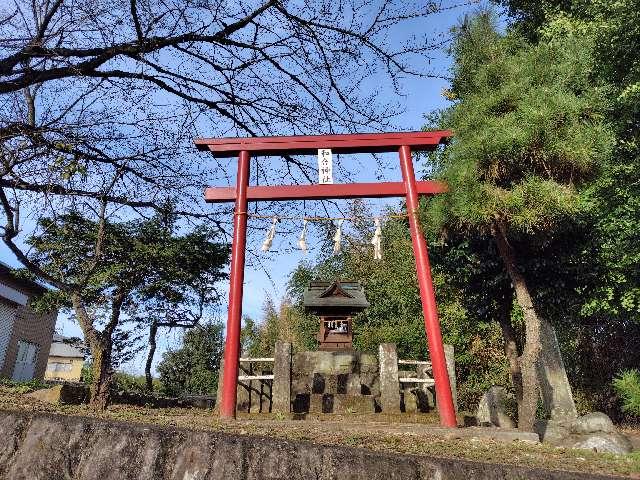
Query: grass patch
x,y
19,388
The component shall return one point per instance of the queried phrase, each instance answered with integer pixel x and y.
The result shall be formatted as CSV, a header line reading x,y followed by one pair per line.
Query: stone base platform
x,y
341,403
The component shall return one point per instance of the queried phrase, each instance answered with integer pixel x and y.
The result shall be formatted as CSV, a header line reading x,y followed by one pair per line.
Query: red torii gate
x,y
403,143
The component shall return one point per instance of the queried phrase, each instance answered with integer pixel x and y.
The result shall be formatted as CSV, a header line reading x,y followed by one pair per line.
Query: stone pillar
x,y
451,370
389,385
555,390
281,389
216,408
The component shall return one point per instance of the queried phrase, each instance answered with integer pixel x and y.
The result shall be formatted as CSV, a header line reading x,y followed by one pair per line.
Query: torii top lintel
x,y
301,145
309,144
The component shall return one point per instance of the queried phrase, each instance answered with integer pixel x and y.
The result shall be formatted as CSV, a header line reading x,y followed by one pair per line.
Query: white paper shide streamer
x,y
376,241
266,245
337,238
302,240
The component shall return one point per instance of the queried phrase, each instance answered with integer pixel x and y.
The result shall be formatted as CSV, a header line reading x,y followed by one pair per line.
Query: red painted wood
x,y
236,279
309,144
427,295
320,192
362,143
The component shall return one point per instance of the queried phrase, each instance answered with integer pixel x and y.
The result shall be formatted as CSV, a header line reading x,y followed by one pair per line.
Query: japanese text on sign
x,y
325,166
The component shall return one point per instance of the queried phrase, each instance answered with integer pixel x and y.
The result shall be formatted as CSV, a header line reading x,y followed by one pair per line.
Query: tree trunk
x,y
101,344
531,351
153,330
511,352
102,373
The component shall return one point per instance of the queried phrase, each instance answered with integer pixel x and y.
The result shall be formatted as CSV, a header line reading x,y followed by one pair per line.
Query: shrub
x,y
23,387
627,385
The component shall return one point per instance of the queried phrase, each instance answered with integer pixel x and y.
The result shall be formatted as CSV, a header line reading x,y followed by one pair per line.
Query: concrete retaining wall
x,y
45,446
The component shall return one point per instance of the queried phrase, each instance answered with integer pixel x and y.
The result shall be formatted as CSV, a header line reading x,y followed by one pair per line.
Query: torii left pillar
x,y
236,285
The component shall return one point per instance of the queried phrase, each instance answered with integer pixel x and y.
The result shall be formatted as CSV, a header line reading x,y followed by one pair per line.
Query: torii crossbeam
x,y
409,188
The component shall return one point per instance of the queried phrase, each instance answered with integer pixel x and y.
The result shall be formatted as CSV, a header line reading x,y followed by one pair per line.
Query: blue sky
x,y
418,97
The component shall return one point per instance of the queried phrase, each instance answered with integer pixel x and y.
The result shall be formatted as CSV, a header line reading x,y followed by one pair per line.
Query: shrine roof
x,y
344,294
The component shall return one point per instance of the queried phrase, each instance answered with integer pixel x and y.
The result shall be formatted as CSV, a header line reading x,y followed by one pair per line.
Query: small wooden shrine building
x,y
335,303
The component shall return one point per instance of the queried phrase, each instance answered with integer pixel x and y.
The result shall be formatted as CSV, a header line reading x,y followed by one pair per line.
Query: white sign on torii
x,y
325,166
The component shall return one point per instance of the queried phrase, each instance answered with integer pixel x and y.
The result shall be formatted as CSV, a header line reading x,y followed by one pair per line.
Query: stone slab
x,y
65,393
449,355
316,403
341,403
370,384
594,422
389,385
409,402
281,389
490,433
492,408
615,443
555,390
353,384
301,384
353,404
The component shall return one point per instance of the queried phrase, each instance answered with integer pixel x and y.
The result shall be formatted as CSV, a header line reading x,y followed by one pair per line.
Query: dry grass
x,y
404,434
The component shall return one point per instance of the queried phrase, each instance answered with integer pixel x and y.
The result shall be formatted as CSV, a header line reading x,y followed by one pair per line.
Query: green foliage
x,y
532,137
23,387
122,381
531,15
614,244
601,317
530,133
126,382
395,314
286,323
249,335
143,257
267,332
613,27
160,275
615,197
86,374
529,130
627,385
194,367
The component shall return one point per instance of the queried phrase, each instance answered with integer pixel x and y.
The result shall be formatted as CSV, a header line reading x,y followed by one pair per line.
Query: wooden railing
x,y
428,381
251,376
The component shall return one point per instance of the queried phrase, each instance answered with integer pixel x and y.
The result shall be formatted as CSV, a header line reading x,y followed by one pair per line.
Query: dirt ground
x,y
416,434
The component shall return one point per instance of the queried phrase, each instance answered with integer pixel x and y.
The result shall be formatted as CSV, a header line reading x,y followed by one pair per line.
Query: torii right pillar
x,y
444,398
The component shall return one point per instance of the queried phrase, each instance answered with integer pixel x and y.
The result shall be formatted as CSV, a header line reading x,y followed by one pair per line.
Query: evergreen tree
x,y
141,272
614,64
284,323
529,134
194,367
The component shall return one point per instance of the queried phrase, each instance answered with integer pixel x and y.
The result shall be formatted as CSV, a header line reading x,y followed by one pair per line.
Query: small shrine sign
x,y
325,166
